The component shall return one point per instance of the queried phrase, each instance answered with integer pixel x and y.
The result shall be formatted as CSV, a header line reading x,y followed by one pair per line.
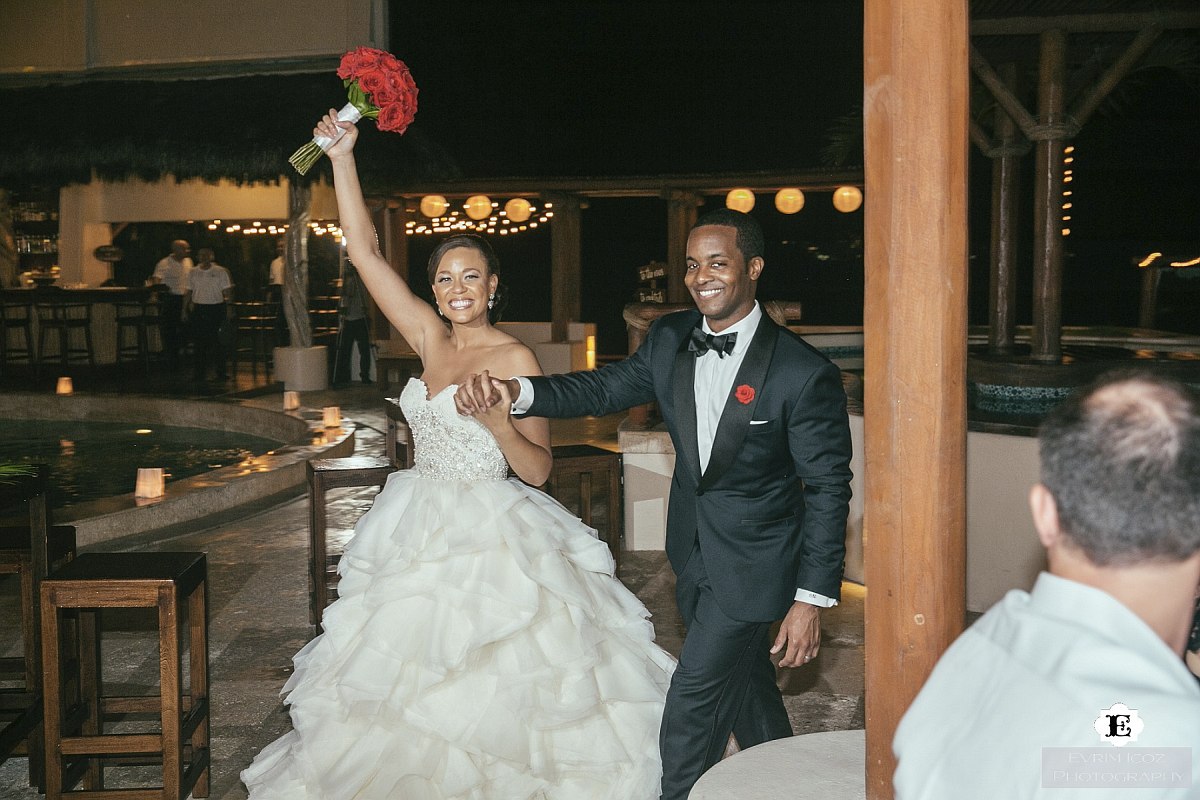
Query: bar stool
x,y
254,335
77,745
577,470
21,699
29,492
137,318
65,319
17,318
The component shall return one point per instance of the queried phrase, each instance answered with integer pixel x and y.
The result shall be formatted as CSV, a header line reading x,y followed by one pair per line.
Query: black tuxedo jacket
x,y
770,511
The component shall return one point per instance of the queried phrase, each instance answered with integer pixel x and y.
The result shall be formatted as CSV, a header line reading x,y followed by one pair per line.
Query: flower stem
x,y
305,157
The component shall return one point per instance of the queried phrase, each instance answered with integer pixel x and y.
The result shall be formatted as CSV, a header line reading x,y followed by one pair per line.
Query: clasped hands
x,y
486,398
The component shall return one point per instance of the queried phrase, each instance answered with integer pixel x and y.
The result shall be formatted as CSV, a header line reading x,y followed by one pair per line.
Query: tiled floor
x,y
258,611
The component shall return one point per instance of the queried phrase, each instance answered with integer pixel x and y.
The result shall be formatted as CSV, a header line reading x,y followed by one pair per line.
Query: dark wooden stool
x,y
137,318
66,319
325,474
28,491
21,705
172,584
254,336
16,318
578,468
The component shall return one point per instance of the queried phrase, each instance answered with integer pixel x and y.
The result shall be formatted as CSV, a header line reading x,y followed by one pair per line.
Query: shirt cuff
x,y
525,398
819,600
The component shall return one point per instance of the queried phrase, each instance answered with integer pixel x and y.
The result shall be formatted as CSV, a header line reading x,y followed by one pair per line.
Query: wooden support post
x,y
915,331
681,216
566,267
1148,303
393,227
1006,183
1046,338
295,275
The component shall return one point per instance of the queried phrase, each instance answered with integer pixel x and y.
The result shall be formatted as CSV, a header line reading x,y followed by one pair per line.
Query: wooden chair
x,y
325,474
581,469
77,746
398,438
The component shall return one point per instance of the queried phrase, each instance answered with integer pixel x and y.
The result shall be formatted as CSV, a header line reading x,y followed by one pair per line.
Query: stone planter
x,y
302,369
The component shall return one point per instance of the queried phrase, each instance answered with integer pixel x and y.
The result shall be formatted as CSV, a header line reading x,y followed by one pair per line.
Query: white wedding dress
x,y
479,649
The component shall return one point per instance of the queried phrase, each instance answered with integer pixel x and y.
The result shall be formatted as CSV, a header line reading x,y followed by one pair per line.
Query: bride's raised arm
x,y
412,316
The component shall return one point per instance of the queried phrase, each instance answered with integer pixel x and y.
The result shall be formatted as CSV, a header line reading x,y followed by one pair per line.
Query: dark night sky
x,y
606,88
596,87
624,88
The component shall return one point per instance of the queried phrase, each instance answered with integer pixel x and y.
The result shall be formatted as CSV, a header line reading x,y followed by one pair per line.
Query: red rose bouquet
x,y
379,87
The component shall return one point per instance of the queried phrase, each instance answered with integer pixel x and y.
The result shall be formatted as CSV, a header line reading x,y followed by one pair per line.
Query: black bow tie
x,y
702,342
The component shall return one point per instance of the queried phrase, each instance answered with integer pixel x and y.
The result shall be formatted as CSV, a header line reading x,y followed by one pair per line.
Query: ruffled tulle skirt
x,y
479,648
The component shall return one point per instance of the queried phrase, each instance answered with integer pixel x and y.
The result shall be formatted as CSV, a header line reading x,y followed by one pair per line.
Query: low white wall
x,y
578,353
1003,552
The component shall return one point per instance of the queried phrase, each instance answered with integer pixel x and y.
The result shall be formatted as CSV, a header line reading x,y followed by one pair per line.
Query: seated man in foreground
x,y
1025,703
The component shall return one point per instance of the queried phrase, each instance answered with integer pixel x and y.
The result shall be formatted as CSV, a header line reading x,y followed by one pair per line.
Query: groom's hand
x,y
475,394
799,635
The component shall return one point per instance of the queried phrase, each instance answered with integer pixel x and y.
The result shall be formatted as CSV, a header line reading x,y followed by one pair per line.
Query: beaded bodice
x,y
449,446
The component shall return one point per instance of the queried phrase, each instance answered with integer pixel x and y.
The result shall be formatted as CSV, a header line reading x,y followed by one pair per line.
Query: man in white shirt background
x,y
171,273
207,304
1030,700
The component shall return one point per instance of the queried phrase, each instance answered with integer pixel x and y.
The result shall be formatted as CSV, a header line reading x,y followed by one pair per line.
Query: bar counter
x,y
102,299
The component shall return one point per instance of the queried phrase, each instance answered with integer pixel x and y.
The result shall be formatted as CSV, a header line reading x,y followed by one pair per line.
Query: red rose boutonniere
x,y
744,394
379,87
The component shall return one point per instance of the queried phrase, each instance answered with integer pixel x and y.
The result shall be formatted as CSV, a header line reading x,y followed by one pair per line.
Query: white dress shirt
x,y
172,273
713,382
714,379
1035,672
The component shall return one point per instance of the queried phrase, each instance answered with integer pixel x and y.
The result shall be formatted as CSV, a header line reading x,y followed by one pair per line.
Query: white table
x,y
816,766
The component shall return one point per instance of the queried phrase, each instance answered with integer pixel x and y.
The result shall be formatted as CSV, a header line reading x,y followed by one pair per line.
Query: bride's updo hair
x,y
480,245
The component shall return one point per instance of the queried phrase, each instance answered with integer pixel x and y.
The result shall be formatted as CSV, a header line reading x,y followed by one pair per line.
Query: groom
x,y
756,521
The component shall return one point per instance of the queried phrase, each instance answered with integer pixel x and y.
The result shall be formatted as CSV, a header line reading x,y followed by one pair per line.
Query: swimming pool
x,y
89,460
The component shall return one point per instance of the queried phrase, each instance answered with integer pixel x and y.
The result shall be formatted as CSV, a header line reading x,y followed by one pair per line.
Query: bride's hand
x,y
329,126
475,395
497,415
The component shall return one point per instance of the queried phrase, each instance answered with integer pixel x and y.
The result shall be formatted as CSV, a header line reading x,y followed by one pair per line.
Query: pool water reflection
x,y
93,460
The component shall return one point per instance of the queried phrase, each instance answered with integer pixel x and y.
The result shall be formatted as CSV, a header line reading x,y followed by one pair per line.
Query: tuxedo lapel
x,y
736,416
684,398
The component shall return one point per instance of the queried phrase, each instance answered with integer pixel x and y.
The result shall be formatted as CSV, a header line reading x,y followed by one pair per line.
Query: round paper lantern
x,y
478,207
789,201
740,200
847,199
517,209
434,205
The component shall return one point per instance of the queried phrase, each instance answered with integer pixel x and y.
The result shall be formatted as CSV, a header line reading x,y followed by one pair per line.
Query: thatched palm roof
x,y
240,128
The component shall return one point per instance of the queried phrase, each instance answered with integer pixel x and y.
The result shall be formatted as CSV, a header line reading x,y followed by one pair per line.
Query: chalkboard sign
x,y
109,252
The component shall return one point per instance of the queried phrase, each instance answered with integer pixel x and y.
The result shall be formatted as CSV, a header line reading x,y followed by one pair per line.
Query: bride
x,y
480,647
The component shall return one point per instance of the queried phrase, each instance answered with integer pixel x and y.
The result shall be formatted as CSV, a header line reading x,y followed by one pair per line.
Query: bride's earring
x,y
439,308
492,300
